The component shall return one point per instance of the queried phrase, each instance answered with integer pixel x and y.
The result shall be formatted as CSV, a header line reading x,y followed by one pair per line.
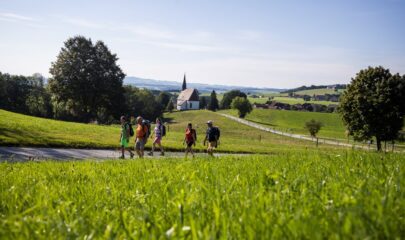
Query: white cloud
x,y
16,17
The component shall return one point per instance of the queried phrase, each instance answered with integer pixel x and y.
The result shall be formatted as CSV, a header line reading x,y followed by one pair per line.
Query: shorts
x,y
157,140
212,144
124,142
140,144
190,144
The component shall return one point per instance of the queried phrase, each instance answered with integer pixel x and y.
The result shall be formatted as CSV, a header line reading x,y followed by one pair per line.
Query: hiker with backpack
x,y
141,136
159,132
190,139
125,135
212,135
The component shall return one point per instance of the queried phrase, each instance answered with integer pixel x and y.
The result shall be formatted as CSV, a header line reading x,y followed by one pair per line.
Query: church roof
x,y
189,94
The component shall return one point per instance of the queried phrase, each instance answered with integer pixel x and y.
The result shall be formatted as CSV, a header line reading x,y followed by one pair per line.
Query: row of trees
x,y
86,85
32,96
26,95
233,99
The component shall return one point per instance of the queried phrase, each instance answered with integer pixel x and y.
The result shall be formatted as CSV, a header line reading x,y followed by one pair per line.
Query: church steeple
x,y
184,87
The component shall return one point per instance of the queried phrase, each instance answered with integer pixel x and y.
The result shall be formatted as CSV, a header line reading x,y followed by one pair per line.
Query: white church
x,y
188,99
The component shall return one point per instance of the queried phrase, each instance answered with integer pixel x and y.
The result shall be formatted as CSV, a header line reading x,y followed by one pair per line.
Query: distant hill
x,y
312,87
162,85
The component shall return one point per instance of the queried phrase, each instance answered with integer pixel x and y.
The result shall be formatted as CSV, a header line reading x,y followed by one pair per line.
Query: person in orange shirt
x,y
140,137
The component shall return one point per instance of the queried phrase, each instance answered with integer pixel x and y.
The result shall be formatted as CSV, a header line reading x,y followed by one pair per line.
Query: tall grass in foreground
x,y
307,194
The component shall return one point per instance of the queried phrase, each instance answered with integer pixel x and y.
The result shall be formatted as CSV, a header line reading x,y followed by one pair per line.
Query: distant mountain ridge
x,y
163,85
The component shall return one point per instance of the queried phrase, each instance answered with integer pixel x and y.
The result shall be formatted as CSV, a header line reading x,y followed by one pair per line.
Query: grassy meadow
x,y
321,91
306,194
22,130
292,101
294,121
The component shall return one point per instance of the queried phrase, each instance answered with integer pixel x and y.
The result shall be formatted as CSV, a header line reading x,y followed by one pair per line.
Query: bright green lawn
x,y
22,130
294,121
289,195
290,100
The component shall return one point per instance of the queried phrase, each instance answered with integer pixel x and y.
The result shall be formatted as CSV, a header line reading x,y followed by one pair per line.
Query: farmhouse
x,y
188,100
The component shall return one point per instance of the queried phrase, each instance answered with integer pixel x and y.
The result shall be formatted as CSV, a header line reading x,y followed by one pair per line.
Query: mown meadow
x,y
306,194
294,121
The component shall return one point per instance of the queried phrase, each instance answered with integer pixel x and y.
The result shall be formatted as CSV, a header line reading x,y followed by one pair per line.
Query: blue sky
x,y
251,43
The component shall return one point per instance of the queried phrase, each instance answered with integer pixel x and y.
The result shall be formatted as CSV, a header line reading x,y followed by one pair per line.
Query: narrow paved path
x,y
296,136
33,153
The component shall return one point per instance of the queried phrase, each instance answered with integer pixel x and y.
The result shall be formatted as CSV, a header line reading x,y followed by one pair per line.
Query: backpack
x,y
215,133
146,123
195,134
131,130
163,130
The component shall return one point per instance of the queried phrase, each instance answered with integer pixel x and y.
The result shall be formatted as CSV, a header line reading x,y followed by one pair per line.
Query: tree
x,y
163,99
170,105
141,102
213,106
242,105
204,102
86,80
184,86
14,92
229,96
38,101
313,127
373,105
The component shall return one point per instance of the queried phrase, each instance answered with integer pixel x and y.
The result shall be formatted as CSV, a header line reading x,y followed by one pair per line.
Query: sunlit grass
x,y
304,194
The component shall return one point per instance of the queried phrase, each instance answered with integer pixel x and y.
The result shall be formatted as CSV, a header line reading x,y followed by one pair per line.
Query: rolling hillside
x,y
21,130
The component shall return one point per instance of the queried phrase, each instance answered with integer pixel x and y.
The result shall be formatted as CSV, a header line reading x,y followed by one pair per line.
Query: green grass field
x,y
303,195
294,121
290,100
321,91
22,130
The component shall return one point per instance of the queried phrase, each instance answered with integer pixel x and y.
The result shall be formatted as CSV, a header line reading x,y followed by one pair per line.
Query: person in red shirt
x,y
190,139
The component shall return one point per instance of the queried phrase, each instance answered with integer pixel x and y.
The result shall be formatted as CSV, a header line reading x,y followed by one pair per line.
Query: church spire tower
x,y
184,87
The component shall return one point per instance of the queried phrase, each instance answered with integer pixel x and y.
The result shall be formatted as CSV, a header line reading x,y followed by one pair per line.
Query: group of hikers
x,y
143,131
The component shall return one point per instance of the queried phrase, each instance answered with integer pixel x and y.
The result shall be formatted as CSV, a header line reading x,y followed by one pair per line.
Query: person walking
x,y
190,139
212,136
140,137
158,133
124,139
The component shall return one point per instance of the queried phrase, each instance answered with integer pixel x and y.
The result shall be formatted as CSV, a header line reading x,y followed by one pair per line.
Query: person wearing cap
x,y
140,137
212,136
124,139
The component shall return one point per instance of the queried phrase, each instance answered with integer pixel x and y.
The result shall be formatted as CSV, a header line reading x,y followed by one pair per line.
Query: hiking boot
x,y
122,157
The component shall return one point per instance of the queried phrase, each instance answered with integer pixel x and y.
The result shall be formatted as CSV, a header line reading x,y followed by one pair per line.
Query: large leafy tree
x,y
373,105
242,105
86,80
213,105
229,96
